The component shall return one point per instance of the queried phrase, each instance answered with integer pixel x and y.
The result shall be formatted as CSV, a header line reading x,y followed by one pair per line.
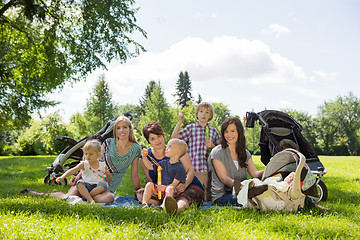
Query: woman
x,y
230,162
120,152
192,191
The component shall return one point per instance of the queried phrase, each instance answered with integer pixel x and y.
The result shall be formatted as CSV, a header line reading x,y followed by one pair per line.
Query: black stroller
x,y
280,131
74,151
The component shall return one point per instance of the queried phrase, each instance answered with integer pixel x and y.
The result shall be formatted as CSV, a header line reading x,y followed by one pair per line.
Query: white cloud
x,y
225,60
276,29
325,75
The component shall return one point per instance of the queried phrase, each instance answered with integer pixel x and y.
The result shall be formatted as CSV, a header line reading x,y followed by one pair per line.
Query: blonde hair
x,y
94,145
182,145
128,122
205,105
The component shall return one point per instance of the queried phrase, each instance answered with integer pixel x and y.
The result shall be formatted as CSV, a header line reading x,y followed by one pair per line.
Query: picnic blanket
x,y
131,202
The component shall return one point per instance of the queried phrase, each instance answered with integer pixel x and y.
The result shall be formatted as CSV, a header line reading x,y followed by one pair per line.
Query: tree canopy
x,y
44,44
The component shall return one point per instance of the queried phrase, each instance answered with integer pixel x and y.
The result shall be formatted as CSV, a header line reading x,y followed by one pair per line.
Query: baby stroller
x,y
267,195
74,151
280,131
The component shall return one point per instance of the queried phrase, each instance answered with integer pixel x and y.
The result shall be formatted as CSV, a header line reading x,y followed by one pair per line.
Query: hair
x,y
154,128
240,146
131,133
205,105
94,145
182,145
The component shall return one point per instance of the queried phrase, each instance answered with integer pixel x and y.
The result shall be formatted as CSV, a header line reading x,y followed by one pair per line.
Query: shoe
x,y
170,205
144,205
31,192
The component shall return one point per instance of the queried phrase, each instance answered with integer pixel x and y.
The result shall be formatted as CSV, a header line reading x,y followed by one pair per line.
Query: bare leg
x,y
182,203
61,195
105,197
85,193
149,189
139,194
97,191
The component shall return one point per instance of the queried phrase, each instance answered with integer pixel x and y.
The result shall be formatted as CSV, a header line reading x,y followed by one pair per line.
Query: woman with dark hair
x,y
230,162
190,192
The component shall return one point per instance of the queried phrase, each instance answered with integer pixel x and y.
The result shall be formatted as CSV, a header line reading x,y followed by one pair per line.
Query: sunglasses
x,y
150,125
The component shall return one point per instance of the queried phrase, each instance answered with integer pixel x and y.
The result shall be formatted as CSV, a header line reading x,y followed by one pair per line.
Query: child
x,y
94,172
172,174
195,135
251,187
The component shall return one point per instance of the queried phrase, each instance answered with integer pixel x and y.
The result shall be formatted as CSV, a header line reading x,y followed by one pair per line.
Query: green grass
x,y
39,217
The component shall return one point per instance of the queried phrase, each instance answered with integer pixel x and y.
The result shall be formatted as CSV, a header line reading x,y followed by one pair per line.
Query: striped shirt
x,y
195,136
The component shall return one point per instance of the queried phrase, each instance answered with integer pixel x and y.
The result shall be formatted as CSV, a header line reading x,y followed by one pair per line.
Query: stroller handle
x,y
296,190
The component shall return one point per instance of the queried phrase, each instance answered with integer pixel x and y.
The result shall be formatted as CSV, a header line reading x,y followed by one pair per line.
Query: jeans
x,y
227,199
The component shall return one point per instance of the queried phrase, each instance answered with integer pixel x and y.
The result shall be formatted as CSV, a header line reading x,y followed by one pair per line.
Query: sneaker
x,y
144,205
170,205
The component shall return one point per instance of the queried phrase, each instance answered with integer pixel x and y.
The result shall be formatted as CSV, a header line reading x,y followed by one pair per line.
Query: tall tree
x,y
157,109
43,44
183,88
100,107
344,113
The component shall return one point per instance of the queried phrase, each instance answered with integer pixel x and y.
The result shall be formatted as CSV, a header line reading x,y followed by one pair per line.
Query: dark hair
x,y
154,128
240,147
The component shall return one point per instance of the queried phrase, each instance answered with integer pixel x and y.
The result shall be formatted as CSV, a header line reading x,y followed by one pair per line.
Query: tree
x,y
344,113
157,110
100,108
100,105
306,122
326,132
183,88
221,112
44,44
199,99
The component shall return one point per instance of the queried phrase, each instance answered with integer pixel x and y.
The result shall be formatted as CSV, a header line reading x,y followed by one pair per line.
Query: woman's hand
x,y
73,181
180,187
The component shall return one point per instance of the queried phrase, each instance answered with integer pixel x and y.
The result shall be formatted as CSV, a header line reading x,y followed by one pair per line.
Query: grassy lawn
x,y
39,217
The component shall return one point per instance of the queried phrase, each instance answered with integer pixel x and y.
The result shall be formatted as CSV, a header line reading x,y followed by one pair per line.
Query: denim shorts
x,y
90,186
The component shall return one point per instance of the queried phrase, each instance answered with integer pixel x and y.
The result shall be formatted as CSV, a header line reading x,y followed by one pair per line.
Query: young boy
x,y
172,174
200,143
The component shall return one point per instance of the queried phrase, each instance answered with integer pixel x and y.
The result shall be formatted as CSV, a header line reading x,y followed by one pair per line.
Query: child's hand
x,y
107,173
144,150
209,144
181,115
161,188
59,179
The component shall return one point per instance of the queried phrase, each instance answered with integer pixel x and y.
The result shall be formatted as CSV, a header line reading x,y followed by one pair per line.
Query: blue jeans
x,y
90,186
227,199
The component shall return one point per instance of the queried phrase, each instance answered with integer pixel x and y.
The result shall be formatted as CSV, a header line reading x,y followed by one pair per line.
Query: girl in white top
x,y
95,174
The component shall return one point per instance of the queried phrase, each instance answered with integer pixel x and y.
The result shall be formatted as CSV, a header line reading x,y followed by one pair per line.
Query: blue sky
x,y
249,55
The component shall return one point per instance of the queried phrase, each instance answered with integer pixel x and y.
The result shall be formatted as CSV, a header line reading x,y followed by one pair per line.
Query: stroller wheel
x,y
322,191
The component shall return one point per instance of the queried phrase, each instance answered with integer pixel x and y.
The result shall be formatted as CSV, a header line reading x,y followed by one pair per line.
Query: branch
x,y
7,6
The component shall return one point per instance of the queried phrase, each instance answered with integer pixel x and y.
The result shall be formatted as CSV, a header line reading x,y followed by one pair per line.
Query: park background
x,y
67,67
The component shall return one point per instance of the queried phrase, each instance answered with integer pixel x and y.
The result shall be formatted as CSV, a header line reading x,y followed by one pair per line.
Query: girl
x,y
94,172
